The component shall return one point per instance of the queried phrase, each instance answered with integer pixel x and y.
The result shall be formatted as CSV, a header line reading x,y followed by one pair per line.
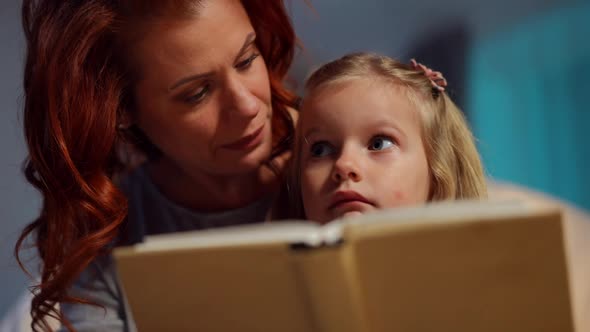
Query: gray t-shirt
x,y
149,213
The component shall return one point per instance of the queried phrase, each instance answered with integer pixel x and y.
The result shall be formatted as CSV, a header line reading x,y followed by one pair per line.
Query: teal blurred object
x,y
529,103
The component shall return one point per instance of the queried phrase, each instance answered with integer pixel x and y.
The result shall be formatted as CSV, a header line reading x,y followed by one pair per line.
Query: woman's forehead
x,y
218,23
171,47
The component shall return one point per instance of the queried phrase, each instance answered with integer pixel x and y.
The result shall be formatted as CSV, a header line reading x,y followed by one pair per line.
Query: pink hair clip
x,y
436,78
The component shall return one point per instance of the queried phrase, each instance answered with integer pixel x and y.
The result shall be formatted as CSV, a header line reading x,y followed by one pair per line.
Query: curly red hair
x,y
76,88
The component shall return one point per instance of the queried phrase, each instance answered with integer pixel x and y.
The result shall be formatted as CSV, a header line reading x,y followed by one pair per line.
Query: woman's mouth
x,y
247,142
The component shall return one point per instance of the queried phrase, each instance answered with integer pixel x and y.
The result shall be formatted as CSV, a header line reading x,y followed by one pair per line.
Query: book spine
x,y
329,278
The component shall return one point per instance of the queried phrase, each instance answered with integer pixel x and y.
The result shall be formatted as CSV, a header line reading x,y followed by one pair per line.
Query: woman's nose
x,y
241,102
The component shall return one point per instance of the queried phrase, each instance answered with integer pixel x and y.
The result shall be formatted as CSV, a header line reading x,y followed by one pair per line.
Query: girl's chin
x,y
351,214
345,215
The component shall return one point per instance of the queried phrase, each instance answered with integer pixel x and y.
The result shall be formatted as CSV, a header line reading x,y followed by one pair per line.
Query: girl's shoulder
x,y
294,114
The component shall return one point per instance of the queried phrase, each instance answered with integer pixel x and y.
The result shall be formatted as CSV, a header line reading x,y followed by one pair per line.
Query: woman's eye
x,y
379,143
248,62
321,149
198,96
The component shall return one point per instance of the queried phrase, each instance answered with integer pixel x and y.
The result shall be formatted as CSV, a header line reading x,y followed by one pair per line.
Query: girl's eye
x,y
321,149
379,143
199,96
242,65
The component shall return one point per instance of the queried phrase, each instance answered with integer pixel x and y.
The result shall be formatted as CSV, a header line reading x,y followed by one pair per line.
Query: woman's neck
x,y
209,192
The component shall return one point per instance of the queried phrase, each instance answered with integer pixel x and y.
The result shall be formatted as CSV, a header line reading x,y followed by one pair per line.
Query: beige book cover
x,y
457,266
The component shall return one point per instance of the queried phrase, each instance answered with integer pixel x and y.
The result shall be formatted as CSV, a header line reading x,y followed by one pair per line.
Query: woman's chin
x,y
247,162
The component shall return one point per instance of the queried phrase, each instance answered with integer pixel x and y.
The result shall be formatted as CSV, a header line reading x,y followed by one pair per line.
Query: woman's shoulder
x,y
135,187
99,284
130,179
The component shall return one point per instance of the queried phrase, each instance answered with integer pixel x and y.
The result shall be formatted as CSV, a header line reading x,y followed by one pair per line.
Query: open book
x,y
459,266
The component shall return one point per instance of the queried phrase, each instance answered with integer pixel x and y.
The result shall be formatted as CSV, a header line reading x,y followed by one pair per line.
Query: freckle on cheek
x,y
398,196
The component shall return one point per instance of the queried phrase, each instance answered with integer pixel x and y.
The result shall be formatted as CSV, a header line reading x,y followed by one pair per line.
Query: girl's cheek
x,y
398,196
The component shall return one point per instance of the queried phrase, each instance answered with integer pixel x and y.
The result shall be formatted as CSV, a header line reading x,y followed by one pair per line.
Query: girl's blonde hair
x,y
455,168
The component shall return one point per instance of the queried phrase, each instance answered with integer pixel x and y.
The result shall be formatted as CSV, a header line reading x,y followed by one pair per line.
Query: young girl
x,y
376,133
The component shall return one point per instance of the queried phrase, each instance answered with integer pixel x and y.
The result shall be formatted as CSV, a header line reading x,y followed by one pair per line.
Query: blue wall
x,y
529,102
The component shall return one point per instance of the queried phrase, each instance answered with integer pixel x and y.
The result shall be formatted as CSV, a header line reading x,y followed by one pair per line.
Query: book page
x,y
253,234
447,211
311,234
454,269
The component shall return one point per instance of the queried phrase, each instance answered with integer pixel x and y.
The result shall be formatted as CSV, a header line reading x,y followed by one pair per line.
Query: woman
x,y
195,85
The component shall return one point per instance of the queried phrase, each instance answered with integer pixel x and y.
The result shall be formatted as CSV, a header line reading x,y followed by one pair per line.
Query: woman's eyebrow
x,y
250,38
188,79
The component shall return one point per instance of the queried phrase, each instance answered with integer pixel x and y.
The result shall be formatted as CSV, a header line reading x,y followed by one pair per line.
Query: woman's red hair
x,y
76,87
